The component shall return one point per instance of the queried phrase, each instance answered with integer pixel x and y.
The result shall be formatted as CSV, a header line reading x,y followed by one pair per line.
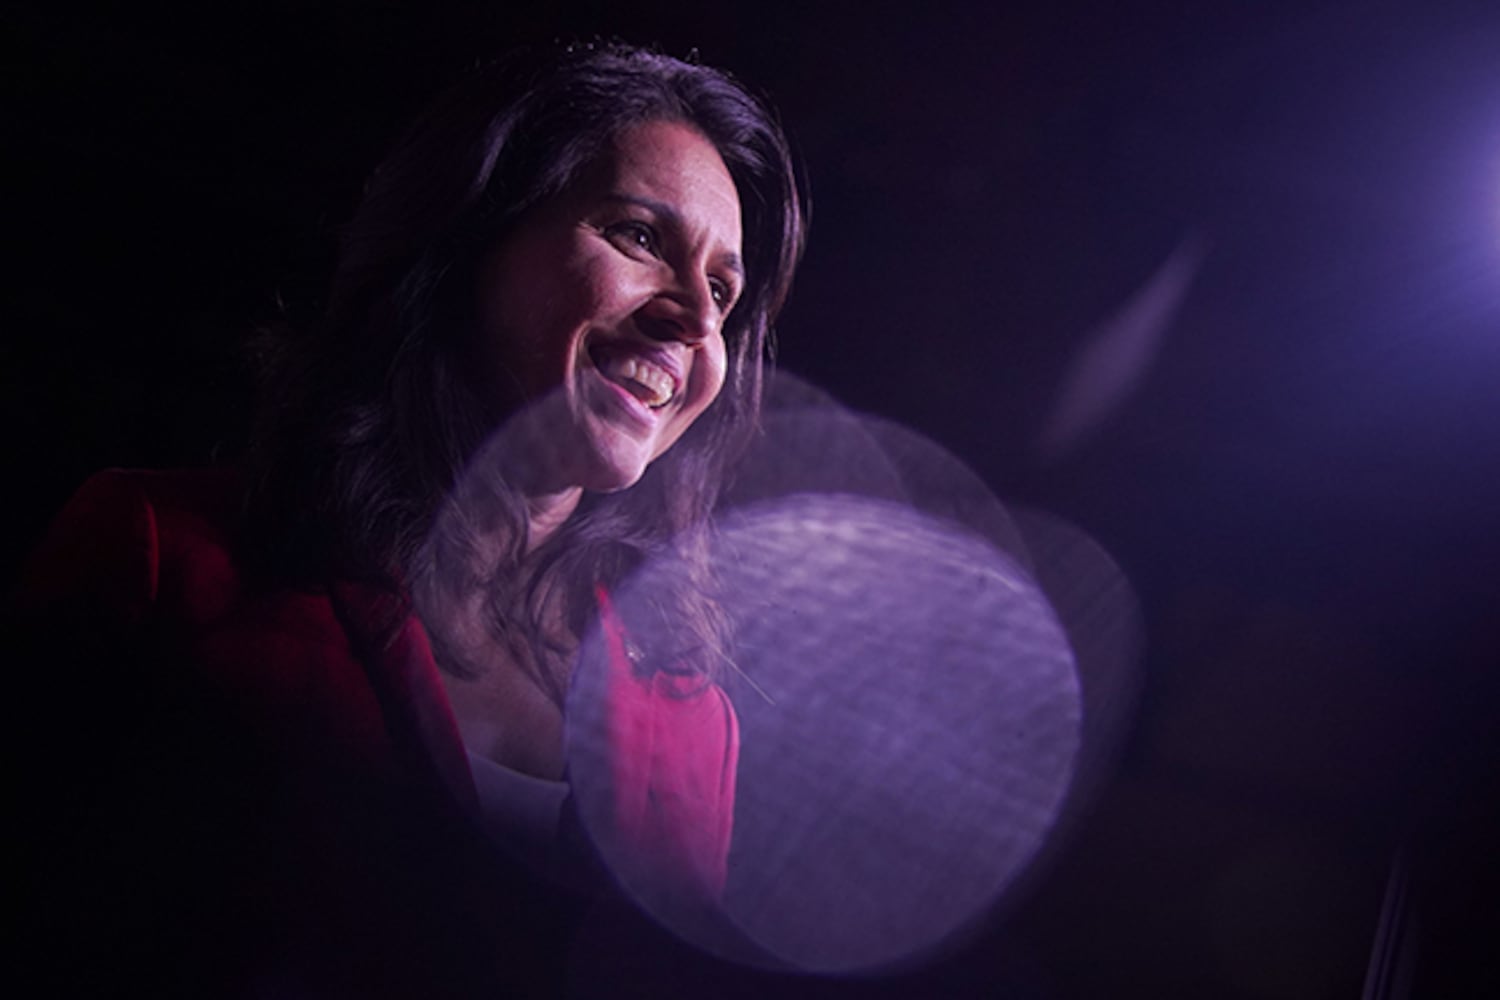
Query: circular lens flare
x,y
910,718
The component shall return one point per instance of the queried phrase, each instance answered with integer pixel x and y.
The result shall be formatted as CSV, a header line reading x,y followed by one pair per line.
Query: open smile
x,y
647,375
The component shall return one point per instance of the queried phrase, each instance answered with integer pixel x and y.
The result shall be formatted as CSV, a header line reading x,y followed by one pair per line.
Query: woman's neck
x,y
546,512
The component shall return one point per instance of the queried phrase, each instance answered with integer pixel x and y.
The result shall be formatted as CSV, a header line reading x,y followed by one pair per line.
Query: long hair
x,y
368,420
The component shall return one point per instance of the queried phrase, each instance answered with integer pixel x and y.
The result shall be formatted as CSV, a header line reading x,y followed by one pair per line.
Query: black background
x,y
1303,488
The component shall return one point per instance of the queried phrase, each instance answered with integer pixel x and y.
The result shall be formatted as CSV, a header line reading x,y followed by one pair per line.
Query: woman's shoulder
x,y
129,539
141,571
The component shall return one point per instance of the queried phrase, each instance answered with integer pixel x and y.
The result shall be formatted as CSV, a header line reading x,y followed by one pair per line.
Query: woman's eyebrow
x,y
671,217
659,208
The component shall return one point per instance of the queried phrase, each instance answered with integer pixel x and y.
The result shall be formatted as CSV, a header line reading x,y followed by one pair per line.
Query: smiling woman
x,y
599,321
325,720
608,305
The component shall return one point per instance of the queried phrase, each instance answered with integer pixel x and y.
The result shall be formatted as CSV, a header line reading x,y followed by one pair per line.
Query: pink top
x,y
336,715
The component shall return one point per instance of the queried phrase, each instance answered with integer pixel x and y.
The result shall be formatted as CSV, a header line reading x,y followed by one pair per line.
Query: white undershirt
x,y
521,813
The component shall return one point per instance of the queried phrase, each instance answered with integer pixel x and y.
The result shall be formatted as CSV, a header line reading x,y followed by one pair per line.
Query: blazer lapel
x,y
392,645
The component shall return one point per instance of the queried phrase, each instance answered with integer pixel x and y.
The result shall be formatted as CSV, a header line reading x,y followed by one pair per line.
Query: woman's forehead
x,y
676,169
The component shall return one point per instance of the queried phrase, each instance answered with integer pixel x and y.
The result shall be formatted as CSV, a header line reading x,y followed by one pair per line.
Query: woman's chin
x,y
563,444
613,472
614,458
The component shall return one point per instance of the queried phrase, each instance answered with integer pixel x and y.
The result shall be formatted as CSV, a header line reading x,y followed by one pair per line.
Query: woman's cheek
x,y
715,368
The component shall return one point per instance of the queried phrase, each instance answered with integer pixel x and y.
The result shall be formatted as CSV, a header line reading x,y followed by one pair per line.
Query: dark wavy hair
x,y
368,420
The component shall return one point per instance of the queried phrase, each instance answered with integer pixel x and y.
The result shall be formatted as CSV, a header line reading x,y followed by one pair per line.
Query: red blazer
x,y
262,796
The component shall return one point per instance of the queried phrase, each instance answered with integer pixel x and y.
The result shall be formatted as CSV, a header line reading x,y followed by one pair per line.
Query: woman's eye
x,y
723,294
636,236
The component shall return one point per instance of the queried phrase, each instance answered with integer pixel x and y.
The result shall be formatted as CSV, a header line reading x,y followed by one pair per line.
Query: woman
x,y
542,349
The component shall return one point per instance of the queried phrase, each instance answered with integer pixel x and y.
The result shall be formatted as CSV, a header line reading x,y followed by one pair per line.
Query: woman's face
x,y
603,312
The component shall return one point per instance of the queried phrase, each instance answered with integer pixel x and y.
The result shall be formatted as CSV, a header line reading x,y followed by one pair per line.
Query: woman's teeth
x,y
644,380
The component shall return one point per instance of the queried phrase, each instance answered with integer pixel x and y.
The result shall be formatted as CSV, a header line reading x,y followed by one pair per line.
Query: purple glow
x,y
910,718
1116,355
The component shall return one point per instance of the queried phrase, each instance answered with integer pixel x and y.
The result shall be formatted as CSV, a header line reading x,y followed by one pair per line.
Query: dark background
x,y
1303,486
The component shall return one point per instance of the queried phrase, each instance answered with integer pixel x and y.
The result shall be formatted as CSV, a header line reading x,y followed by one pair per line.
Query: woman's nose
x,y
684,310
